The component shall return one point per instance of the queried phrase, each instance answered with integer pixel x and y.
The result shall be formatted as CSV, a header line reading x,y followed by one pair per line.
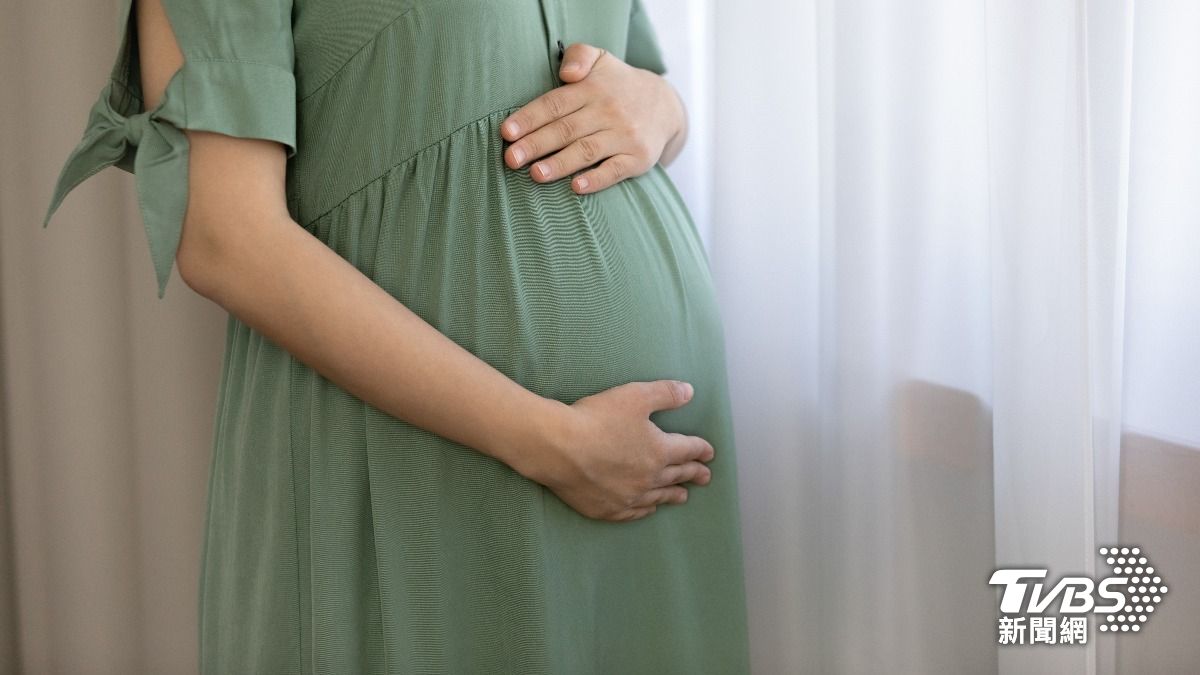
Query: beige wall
x,y
107,392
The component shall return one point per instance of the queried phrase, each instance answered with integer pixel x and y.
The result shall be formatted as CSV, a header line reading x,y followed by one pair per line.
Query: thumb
x,y
667,394
578,60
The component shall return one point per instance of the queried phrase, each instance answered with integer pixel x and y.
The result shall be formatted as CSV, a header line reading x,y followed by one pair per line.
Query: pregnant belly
x,y
566,294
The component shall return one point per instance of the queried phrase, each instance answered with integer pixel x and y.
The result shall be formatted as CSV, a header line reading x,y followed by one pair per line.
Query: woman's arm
x,y
241,248
265,269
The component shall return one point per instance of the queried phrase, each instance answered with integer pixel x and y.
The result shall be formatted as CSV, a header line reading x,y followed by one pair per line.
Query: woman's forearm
x,y
288,285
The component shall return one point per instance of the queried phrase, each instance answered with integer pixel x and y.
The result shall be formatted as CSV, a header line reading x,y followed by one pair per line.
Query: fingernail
x,y
518,155
543,169
583,183
511,127
570,66
689,388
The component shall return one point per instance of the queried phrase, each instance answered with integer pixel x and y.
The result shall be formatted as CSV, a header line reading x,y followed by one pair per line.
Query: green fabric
x,y
213,91
340,539
642,47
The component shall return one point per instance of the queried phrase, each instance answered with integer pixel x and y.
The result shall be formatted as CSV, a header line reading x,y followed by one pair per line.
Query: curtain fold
x,y
956,246
924,285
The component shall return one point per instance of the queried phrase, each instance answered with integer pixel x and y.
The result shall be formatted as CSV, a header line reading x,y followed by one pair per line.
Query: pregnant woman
x,y
473,416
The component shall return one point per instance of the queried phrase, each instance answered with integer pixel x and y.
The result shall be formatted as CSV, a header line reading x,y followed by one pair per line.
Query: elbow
x,y
236,197
204,252
214,251
197,262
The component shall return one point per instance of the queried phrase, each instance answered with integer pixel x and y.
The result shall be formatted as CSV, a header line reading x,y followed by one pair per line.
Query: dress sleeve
x,y
238,79
641,48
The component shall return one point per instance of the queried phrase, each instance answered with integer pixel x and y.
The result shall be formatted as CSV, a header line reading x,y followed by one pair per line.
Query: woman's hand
x,y
609,112
612,463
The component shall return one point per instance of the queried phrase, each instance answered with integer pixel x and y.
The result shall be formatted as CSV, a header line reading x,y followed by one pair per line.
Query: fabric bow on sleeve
x,y
159,163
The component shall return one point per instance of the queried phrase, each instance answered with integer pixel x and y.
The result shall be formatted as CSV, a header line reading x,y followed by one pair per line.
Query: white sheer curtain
x,y
920,216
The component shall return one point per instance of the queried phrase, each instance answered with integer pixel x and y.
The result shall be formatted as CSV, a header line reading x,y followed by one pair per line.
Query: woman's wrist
x,y
677,139
539,436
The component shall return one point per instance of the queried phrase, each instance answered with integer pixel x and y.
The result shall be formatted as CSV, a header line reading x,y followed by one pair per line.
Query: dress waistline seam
x,y
309,222
342,66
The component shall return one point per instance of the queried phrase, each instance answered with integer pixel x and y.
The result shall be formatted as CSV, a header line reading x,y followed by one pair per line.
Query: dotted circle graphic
x,y
1142,591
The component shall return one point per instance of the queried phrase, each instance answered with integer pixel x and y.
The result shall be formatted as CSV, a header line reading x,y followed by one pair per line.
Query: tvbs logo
x,y
1126,598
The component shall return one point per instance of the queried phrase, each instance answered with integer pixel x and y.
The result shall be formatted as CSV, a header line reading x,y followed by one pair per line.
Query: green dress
x,y
341,539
